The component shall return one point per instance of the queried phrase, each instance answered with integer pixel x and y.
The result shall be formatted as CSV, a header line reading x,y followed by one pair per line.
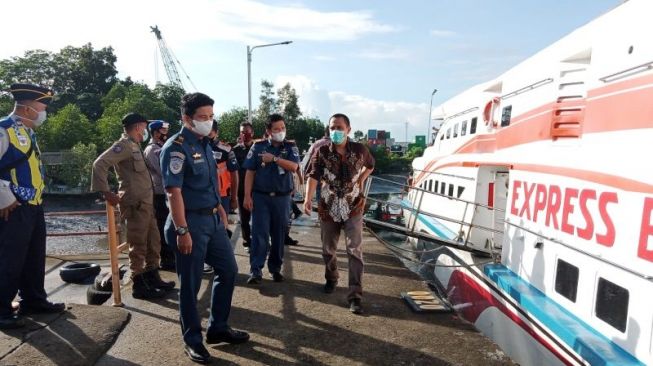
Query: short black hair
x,y
214,126
275,117
191,102
246,124
340,115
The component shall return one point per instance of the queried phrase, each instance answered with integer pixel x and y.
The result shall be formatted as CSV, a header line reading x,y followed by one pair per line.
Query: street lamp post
x,y
249,75
428,134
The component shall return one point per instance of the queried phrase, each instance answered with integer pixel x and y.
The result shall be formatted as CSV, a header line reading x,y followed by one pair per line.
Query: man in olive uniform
x,y
22,222
135,198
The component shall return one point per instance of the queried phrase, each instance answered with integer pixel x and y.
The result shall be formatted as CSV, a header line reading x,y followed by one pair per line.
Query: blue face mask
x,y
338,137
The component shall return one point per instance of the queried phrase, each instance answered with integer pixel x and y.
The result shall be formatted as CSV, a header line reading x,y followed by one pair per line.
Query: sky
x,y
376,61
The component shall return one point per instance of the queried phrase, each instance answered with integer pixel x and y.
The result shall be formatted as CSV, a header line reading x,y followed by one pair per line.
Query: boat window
x,y
435,187
566,280
505,116
442,187
455,130
463,129
612,304
450,190
442,136
430,188
448,132
472,127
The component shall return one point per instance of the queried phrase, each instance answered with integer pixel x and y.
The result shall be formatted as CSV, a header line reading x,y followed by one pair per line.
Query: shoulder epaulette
x,y
260,141
179,140
292,142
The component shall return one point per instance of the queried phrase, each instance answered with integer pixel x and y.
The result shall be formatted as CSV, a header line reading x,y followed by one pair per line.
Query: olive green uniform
x,y
136,201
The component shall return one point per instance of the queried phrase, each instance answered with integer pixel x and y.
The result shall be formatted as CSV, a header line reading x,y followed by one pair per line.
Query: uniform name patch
x,y
176,164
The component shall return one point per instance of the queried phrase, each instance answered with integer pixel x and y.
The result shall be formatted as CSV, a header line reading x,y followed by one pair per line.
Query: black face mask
x,y
163,137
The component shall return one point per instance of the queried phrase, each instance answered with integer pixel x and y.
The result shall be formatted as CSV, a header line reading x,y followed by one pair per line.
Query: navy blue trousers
x,y
22,257
269,223
210,245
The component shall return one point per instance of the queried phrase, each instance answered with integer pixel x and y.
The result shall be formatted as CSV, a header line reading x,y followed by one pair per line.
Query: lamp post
x,y
249,75
428,133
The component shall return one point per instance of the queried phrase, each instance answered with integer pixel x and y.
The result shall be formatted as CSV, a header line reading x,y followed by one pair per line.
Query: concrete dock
x,y
290,323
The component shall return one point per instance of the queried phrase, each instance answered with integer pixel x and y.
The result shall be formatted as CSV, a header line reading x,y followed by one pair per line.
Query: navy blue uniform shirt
x,y
187,162
271,177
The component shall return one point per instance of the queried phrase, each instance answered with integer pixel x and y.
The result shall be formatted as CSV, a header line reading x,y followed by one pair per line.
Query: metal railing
x,y
112,233
465,227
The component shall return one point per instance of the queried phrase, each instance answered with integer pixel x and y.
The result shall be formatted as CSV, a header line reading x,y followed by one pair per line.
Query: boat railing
x,y
409,228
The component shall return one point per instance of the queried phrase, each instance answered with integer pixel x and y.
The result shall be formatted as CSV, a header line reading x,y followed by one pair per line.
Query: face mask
x,y
163,137
246,136
203,127
279,136
338,137
39,119
146,135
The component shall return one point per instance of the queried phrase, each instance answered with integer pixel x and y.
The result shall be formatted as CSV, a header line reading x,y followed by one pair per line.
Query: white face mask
x,y
203,127
42,115
279,136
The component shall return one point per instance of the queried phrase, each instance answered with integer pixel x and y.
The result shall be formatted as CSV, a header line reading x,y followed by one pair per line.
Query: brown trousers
x,y
353,229
142,236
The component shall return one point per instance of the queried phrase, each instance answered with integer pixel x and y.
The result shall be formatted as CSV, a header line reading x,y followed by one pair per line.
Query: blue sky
x,y
377,61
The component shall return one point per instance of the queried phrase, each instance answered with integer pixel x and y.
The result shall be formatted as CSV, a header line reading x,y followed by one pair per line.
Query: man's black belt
x,y
204,211
274,194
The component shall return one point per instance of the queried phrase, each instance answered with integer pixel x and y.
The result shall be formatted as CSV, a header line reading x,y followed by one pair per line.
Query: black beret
x,y
132,118
31,92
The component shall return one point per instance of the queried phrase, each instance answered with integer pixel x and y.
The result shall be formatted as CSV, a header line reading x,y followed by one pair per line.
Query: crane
x,y
169,61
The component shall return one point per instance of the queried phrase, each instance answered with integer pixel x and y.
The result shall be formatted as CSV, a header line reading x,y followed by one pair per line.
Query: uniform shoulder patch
x,y
117,148
176,165
295,150
177,154
224,146
179,139
250,153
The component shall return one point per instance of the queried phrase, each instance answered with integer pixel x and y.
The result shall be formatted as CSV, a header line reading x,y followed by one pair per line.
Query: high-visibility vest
x,y
225,179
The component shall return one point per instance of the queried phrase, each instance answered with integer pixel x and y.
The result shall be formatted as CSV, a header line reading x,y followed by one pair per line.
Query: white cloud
x,y
365,113
442,33
324,58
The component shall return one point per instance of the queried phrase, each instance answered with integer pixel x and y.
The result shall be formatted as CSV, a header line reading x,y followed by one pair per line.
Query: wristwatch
x,y
275,159
181,230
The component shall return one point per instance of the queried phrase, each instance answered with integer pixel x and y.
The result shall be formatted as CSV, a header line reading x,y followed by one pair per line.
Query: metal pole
x,y
113,255
249,85
249,74
428,133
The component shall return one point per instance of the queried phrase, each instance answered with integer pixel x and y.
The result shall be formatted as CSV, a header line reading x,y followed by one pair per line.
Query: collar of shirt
x,y
190,136
332,148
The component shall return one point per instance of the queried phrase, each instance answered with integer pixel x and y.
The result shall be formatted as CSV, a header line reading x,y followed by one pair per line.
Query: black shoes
x,y
355,306
254,280
231,336
45,307
154,278
277,277
143,289
11,321
330,286
198,353
290,241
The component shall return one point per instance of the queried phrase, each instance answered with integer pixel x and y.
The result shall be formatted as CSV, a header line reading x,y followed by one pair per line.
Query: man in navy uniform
x,y
158,136
245,143
268,184
22,222
196,228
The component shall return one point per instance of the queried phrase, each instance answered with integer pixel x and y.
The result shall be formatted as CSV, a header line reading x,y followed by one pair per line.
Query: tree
x,y
358,135
65,129
139,99
229,124
413,152
171,96
77,171
288,104
268,103
36,67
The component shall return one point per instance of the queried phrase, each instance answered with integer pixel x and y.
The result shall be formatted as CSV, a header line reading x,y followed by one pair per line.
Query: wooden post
x,y
113,255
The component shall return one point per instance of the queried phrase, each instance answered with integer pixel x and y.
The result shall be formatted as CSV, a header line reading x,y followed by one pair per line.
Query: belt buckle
x,y
215,210
272,194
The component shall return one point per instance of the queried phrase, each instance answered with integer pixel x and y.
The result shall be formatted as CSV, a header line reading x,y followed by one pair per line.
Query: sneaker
x,y
207,269
330,286
355,306
277,277
254,280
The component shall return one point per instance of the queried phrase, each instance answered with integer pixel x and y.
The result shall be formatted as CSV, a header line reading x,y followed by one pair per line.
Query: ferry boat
x,y
538,190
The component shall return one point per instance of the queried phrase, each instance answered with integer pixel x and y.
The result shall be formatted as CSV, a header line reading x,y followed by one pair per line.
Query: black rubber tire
x,y
79,272
96,297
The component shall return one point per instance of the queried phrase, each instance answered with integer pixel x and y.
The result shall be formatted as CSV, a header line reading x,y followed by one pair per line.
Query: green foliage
x,y
229,124
288,104
358,135
77,173
268,104
65,129
137,98
414,151
171,96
